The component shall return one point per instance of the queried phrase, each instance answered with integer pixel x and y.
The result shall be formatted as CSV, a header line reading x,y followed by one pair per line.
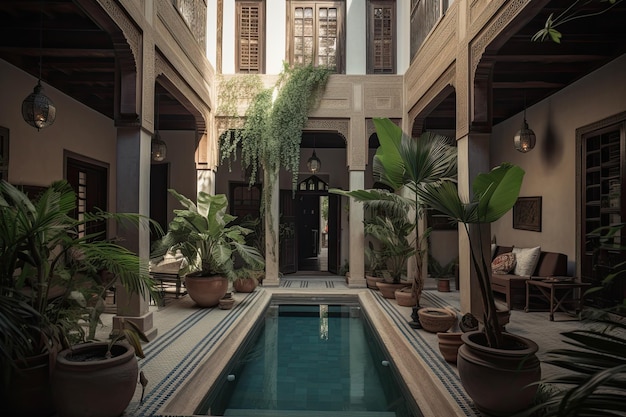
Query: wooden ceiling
x,y
77,58
528,72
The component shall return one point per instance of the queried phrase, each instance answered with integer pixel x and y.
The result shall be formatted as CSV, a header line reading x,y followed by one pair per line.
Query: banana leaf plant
x,y
494,194
403,162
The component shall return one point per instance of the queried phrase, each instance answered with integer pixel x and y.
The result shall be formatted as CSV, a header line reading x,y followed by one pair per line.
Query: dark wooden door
x,y
308,226
288,257
159,182
90,183
334,233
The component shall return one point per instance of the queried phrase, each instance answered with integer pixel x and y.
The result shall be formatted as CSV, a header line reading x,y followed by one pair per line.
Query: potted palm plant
x,y
497,369
52,278
209,240
402,162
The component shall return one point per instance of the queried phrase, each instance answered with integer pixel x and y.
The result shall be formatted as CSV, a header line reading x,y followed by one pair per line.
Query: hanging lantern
x,y
525,138
37,109
158,148
314,163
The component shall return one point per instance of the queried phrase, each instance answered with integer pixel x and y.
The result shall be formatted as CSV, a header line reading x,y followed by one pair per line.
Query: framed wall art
x,y
527,214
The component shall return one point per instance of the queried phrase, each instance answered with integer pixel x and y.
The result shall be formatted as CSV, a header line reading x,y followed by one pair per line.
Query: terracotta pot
x,y
443,285
449,344
28,393
405,298
85,386
206,291
499,381
246,285
388,289
436,320
371,281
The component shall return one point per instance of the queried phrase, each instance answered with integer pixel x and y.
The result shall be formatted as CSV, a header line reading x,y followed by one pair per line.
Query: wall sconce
x,y
158,148
37,109
525,138
314,162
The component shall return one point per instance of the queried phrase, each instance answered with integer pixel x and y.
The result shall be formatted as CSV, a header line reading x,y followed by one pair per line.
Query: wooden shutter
x,y
382,28
250,40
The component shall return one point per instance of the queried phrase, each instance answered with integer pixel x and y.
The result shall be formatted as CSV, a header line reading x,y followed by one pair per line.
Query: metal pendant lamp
x,y
525,138
37,109
314,163
158,148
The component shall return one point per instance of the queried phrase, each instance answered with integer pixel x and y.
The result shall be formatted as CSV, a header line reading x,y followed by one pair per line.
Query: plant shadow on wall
x,y
403,163
594,364
53,281
269,136
498,370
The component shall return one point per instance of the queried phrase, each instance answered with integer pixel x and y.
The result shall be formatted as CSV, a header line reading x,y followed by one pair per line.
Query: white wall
x,y
551,166
356,36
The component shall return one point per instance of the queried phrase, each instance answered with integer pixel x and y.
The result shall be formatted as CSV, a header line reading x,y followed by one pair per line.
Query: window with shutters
x,y
316,34
250,39
381,57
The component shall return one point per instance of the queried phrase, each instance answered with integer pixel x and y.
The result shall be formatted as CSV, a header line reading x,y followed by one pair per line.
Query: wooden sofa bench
x,y
513,287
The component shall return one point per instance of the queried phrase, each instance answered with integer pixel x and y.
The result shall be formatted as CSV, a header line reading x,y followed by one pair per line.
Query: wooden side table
x,y
558,292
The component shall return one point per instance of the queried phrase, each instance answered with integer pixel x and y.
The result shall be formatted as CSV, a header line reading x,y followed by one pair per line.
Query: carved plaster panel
x,y
382,97
341,126
131,32
446,79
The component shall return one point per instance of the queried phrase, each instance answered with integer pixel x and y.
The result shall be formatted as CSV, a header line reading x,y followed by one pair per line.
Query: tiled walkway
x,y
187,334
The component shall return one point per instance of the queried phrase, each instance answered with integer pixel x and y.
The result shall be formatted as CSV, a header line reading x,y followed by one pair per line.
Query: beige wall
x,y
36,157
551,166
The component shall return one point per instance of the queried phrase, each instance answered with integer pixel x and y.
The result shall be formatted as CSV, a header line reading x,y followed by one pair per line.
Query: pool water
x,y
310,360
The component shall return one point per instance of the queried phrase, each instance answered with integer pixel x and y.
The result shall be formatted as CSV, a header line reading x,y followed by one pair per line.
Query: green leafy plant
x,y
52,276
437,270
494,194
207,237
576,10
404,162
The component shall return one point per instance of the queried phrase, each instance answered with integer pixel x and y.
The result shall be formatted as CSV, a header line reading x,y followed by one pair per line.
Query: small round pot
x,y
501,382
405,298
443,285
371,281
85,383
246,285
449,344
206,291
388,289
436,320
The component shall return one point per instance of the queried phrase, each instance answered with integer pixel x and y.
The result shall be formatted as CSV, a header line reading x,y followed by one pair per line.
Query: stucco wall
x,y
551,166
40,153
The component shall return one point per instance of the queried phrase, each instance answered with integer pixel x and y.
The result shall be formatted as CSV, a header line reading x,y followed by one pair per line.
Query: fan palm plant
x,y
494,194
404,162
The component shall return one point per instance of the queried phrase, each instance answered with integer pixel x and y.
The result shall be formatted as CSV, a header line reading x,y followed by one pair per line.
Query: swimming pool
x,y
310,359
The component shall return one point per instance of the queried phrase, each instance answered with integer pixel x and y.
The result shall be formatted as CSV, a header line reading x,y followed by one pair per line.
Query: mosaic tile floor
x,y
187,333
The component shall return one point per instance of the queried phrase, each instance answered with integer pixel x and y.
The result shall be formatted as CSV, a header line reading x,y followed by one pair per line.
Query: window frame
x,y
239,5
371,5
340,54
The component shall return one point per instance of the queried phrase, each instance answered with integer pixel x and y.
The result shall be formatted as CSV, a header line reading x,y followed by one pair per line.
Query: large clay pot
x,y
206,291
449,344
28,392
499,381
388,289
85,383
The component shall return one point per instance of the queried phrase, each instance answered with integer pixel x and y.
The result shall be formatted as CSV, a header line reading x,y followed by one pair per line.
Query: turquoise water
x,y
310,360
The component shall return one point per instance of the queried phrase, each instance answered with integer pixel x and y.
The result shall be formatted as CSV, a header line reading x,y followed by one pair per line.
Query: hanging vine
x,y
273,122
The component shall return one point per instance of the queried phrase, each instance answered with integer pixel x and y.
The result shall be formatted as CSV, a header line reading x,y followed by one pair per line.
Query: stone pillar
x,y
473,158
206,181
271,219
133,196
357,234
